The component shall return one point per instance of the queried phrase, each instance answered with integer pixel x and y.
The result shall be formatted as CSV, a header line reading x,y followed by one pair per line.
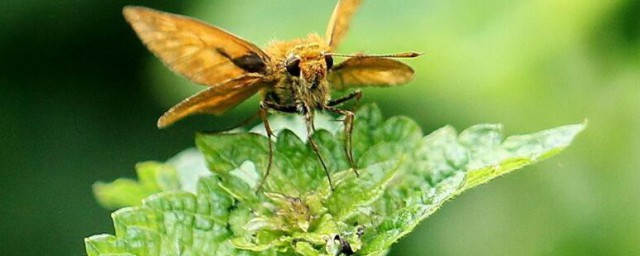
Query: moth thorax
x,y
313,93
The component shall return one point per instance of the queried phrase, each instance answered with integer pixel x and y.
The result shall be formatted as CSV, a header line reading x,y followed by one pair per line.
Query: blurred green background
x,y
79,97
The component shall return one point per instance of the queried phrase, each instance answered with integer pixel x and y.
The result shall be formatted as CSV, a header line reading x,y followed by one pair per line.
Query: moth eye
x,y
329,60
293,66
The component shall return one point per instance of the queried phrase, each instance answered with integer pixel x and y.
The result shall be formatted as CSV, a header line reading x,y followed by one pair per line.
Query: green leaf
x,y
450,164
172,223
153,177
179,173
403,178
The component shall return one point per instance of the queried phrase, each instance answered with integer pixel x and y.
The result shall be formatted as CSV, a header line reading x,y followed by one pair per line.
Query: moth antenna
x,y
394,55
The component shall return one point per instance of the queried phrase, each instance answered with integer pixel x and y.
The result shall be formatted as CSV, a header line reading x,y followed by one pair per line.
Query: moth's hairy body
x,y
294,76
289,90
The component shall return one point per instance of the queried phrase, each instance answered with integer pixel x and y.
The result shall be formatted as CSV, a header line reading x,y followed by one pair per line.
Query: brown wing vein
x,y
369,71
188,46
339,21
216,99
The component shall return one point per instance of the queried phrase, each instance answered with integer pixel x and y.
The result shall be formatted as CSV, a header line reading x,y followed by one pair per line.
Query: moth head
x,y
310,68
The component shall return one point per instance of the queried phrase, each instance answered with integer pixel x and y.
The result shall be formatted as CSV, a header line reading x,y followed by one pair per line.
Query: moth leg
x,y
348,131
263,112
308,117
280,108
263,115
355,94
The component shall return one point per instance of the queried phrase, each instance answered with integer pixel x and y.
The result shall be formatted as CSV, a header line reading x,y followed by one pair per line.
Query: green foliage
x,y
153,177
404,177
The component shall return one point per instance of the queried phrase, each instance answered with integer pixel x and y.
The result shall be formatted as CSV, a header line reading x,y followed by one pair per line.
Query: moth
x,y
294,76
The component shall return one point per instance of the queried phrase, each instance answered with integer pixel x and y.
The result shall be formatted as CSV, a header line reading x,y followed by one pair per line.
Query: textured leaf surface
x,y
404,177
153,177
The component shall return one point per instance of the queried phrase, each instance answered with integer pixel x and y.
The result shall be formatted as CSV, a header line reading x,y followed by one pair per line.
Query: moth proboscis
x,y
294,76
